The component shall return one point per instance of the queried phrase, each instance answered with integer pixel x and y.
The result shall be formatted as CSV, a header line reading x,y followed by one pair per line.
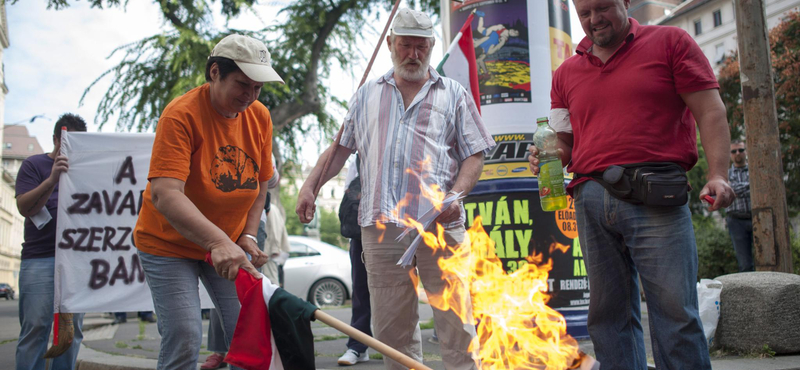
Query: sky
x,y
54,56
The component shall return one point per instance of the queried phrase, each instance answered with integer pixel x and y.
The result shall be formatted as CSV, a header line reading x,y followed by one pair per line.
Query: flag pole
x,y
369,341
335,146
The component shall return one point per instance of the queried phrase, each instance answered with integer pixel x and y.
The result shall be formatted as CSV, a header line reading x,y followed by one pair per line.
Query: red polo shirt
x,y
629,109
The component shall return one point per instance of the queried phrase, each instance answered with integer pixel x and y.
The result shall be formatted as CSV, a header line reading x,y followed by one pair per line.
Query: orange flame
x,y
563,248
515,327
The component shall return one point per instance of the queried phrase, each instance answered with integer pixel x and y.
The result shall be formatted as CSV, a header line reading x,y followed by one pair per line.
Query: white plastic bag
x,y
708,293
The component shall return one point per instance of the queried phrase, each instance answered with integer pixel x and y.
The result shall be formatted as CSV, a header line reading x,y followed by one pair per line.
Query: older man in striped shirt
x,y
413,119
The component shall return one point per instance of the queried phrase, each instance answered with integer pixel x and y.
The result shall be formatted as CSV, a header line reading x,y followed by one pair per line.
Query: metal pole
x,y
767,190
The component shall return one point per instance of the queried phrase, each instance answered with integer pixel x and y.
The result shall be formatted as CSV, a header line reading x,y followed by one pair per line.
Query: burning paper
x,y
425,221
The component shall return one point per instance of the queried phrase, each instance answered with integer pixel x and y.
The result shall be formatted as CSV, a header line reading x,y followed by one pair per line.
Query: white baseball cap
x,y
250,55
409,22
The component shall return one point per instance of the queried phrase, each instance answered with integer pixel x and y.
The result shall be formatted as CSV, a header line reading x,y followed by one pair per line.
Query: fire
x,y
515,327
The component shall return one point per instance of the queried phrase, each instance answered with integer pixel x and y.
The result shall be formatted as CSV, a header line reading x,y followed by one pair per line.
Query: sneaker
x,y
351,357
214,361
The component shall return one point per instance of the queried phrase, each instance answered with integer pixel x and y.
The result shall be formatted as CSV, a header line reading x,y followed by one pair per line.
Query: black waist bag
x,y
659,184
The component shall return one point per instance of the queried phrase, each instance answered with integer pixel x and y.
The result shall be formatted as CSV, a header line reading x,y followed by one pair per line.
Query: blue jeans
x,y
620,241
173,284
36,285
741,231
360,298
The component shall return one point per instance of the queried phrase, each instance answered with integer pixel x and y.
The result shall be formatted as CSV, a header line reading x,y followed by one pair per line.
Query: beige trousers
x,y
395,316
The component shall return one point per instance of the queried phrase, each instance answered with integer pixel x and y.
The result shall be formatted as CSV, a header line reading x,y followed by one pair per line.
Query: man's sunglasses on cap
x,y
741,150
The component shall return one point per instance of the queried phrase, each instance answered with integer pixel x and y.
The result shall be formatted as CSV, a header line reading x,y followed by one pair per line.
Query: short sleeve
x,y
348,138
27,178
471,135
172,150
690,67
557,100
267,167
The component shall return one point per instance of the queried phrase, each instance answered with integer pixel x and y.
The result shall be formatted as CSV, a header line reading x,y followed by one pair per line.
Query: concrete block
x,y
758,308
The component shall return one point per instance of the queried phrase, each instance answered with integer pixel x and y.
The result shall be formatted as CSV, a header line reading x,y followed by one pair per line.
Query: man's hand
x,y
451,214
228,258
60,166
259,258
533,162
719,188
305,206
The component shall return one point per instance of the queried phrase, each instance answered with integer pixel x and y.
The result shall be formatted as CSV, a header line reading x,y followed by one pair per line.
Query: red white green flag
x,y
459,61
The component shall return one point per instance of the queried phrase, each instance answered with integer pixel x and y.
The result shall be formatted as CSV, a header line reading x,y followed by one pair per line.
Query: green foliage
x,y
329,220
697,178
714,249
795,246
61,4
316,37
289,202
426,325
784,42
329,229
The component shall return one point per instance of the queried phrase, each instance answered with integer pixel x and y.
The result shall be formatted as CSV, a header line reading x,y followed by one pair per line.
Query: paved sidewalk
x,y
134,345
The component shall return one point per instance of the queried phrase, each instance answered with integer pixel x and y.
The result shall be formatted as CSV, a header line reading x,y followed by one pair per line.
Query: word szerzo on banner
x,y
97,267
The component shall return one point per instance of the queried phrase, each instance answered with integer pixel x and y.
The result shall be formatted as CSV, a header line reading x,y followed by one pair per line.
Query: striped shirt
x,y
739,177
440,129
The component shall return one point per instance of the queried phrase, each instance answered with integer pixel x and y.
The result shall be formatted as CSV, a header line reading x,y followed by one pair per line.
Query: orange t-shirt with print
x,y
221,160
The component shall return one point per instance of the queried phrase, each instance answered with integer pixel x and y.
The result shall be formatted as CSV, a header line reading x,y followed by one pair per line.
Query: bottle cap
x,y
541,120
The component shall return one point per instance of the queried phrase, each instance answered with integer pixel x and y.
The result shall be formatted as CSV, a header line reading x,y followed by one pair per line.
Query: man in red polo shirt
x,y
632,94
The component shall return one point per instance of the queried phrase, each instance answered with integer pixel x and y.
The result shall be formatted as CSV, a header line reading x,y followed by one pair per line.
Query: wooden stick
x,y
369,341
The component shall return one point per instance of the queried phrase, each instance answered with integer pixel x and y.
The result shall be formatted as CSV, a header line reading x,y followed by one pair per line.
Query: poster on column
x,y
97,267
520,229
512,51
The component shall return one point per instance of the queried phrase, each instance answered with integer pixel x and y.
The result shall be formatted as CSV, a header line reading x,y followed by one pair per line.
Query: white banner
x,y
97,267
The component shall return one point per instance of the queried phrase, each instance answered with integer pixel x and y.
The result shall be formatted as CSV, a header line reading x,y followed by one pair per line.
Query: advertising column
x,y
518,45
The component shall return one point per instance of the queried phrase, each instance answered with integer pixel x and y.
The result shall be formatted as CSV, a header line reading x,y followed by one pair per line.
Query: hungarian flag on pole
x,y
274,327
459,61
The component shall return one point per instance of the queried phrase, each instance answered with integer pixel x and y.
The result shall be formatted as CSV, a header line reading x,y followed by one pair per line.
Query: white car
x,y
318,272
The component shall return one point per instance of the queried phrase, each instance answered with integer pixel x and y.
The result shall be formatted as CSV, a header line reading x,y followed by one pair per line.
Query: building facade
x,y
18,145
11,222
712,24
645,11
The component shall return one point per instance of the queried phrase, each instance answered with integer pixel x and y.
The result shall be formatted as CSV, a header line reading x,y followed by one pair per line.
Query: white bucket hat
x,y
410,22
250,55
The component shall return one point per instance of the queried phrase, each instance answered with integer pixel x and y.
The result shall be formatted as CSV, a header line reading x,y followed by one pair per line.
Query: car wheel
x,y
12,296
327,292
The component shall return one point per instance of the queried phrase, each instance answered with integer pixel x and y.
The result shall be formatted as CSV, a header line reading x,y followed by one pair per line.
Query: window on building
x,y
717,18
30,147
719,55
698,27
8,145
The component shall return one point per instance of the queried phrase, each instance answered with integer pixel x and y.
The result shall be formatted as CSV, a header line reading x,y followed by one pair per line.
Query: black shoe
x,y
118,320
149,318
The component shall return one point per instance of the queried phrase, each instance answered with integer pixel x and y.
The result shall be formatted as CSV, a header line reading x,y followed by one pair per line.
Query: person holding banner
x,y
37,201
409,119
207,186
634,95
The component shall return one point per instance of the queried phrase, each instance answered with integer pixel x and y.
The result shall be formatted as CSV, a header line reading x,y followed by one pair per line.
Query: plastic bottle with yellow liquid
x,y
551,173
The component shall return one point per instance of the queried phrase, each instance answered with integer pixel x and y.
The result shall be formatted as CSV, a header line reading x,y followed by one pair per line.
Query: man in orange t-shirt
x,y
207,183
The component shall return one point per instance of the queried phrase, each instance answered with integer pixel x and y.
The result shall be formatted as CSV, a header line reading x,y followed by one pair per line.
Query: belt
x,y
740,215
